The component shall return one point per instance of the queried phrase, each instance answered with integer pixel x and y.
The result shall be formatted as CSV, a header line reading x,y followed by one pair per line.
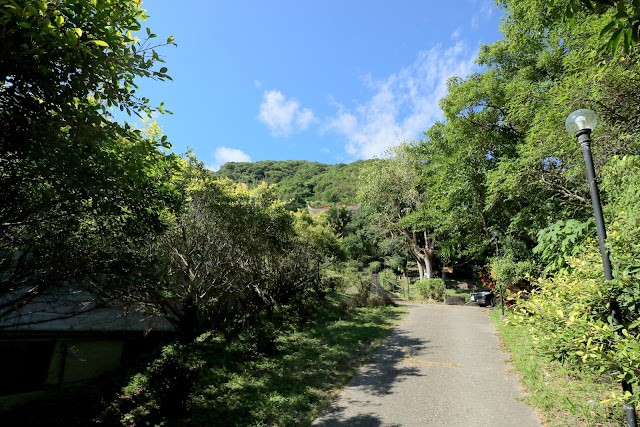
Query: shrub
x,y
333,283
431,289
569,314
568,320
387,275
159,394
380,301
374,267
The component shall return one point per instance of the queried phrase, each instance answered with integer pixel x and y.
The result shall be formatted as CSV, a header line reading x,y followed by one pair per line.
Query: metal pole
x,y
495,236
584,138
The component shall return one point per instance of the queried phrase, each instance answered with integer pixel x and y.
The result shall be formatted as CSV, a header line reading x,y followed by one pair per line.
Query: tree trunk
x,y
428,263
420,268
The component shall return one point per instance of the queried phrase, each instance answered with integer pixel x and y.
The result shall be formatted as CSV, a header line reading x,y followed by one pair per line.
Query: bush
x,y
380,301
374,267
568,317
388,275
159,394
431,289
333,283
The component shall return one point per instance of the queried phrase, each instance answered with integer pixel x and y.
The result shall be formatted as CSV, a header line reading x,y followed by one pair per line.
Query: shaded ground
x,y
442,366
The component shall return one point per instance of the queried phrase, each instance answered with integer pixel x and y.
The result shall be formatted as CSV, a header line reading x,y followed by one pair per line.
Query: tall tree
x,y
78,188
231,255
503,152
394,191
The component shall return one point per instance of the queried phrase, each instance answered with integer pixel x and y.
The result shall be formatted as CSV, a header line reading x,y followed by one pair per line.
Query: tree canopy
x,y
78,187
301,182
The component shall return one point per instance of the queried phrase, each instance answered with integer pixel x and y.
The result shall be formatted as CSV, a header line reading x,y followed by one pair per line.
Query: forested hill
x,y
301,181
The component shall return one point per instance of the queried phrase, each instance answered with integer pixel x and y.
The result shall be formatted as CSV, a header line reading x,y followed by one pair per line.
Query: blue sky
x,y
329,81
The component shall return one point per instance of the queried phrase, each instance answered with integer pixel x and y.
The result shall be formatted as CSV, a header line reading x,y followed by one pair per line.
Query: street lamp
x,y
495,235
580,123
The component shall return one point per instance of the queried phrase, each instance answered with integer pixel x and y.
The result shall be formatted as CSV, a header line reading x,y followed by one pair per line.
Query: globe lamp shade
x,y
581,120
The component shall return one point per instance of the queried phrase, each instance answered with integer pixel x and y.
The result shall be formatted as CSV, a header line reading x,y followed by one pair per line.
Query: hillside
x,y
301,181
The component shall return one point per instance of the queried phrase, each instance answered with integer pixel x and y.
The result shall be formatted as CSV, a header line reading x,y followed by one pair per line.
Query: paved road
x,y
442,366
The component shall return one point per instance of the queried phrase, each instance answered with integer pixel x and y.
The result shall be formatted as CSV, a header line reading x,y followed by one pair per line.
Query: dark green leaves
x,y
79,191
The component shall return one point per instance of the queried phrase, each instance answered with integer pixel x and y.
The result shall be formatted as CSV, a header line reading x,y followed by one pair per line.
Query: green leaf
x,y
163,70
587,4
614,41
570,15
100,43
170,39
622,10
607,27
627,40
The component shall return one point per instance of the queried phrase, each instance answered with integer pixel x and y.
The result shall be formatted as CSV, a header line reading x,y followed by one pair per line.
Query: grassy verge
x,y
415,295
563,396
293,386
459,292
237,382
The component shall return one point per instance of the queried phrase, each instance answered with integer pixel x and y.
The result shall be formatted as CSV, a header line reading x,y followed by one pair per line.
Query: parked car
x,y
483,298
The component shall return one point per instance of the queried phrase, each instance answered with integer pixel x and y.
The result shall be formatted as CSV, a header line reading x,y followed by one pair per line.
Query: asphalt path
x,y
442,366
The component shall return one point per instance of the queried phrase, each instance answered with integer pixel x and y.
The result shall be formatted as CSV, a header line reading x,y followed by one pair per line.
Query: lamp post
x,y
580,123
495,235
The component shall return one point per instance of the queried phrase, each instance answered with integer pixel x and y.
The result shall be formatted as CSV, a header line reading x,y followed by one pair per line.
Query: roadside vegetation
x,y
496,190
282,373
564,395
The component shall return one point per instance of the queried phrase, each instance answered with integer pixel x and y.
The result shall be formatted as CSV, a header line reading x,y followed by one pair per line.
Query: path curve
x,y
442,366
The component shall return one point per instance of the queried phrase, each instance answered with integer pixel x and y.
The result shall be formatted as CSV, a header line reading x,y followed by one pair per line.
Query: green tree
x,y
393,190
622,25
79,190
502,161
229,257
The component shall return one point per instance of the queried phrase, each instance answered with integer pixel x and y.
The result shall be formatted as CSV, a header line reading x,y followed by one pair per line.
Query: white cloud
x,y
257,83
483,14
474,22
402,105
223,155
456,34
283,116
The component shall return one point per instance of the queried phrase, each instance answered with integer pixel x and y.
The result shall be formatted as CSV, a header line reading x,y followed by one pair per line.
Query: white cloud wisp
x,y
223,155
283,116
403,105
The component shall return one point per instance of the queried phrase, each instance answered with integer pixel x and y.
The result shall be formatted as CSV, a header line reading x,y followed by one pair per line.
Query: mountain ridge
x,y
300,181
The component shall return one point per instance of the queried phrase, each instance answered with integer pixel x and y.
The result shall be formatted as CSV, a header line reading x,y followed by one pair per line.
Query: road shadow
x,y
388,368
377,378
362,420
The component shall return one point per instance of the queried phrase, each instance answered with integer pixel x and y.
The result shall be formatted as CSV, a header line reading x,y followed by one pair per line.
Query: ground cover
x,y
415,295
243,381
295,385
563,396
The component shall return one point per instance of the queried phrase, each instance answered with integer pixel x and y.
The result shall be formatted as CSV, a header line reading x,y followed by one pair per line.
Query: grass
x,y
459,292
236,382
563,396
415,295
295,385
